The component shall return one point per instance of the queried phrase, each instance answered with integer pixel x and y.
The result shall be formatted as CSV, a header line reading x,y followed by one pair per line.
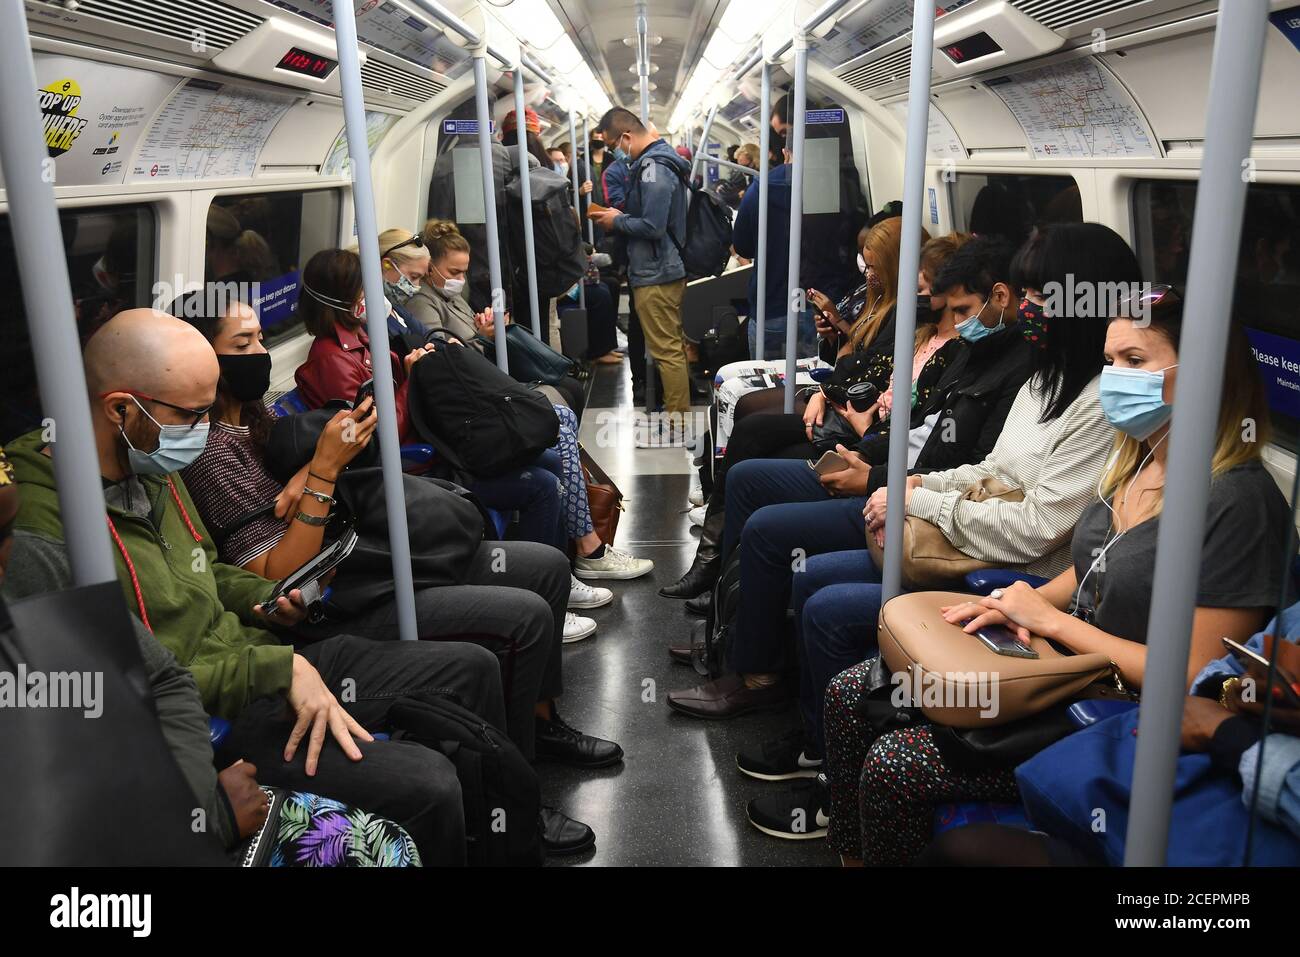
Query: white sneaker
x,y
696,497
582,595
577,628
660,434
697,515
613,564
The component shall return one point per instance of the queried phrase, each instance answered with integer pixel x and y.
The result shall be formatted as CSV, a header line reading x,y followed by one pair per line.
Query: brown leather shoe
x,y
680,653
609,359
728,698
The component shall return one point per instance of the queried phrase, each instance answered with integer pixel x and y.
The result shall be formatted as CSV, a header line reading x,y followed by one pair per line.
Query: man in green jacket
x,y
152,380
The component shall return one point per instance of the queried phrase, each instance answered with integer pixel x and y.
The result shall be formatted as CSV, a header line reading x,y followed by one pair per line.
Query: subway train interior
x,y
645,577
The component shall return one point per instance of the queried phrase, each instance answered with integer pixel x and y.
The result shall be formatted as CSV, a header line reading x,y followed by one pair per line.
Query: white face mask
x,y
562,169
862,264
450,287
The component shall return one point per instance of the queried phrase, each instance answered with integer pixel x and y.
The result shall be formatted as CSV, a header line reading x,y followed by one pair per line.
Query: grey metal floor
x,y
677,799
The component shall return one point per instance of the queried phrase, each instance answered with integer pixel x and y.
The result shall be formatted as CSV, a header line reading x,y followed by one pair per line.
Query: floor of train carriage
x,y
677,798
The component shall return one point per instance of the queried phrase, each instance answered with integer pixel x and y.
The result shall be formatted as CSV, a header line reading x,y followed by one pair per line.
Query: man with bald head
x,y
152,379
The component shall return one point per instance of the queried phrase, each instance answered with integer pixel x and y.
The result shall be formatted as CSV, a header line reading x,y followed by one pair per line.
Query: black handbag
x,y
101,791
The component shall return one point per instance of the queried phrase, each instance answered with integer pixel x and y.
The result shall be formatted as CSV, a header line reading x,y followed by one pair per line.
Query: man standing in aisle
x,y
654,224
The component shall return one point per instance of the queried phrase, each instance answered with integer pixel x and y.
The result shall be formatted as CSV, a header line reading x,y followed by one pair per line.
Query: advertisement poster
x,y
93,114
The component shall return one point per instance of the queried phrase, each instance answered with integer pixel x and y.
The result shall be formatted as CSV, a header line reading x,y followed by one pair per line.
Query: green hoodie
x,y
199,608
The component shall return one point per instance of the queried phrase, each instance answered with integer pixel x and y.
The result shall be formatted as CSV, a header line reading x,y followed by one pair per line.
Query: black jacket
x,y
974,392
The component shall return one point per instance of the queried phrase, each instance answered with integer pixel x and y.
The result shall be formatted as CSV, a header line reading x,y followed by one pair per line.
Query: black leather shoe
x,y
557,741
698,580
700,606
562,835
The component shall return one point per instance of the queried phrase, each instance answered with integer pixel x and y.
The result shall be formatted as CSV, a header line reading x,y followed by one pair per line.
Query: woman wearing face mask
x,y
1100,603
442,260
1051,447
523,595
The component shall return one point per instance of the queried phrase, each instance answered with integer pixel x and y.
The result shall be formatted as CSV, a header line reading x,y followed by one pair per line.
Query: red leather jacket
x,y
338,364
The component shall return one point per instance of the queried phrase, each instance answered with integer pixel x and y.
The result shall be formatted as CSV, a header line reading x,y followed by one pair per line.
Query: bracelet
x,y
317,521
319,496
1229,686
321,478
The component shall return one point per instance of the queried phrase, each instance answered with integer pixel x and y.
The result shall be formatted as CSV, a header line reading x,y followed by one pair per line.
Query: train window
x,y
264,238
112,256
1268,277
1012,204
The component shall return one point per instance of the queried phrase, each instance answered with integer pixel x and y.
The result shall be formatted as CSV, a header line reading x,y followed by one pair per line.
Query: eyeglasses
x,y
415,241
1153,296
198,414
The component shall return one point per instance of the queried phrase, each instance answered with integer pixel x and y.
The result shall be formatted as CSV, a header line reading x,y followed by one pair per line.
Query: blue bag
x,y
1065,786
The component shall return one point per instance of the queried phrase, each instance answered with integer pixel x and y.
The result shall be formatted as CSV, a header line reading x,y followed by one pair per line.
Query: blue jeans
x,y
836,607
776,542
754,483
532,491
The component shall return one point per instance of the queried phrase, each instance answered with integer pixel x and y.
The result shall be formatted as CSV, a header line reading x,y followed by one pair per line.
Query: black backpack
x,y
710,656
481,421
707,246
557,238
499,788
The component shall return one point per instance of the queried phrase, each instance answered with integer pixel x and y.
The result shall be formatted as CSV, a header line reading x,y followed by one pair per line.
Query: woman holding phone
x,y
1100,603
515,595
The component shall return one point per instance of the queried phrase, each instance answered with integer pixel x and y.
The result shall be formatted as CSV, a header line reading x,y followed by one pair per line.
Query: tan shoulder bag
x,y
929,559
958,681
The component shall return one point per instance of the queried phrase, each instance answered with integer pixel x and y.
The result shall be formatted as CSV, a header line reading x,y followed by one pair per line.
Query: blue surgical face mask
x,y
1134,400
178,446
620,154
972,330
562,169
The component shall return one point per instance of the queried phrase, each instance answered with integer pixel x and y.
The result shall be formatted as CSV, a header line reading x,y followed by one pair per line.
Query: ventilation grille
x,y
893,66
221,24
389,80
1059,14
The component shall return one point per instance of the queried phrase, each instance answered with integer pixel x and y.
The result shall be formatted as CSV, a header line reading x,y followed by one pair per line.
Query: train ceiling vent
x,y
220,23
379,77
888,69
1060,14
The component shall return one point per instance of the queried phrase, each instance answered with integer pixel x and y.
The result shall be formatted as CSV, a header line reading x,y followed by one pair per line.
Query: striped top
x,y
1056,464
228,481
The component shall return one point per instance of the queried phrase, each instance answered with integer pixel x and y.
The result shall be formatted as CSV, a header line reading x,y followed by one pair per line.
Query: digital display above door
x,y
306,64
972,48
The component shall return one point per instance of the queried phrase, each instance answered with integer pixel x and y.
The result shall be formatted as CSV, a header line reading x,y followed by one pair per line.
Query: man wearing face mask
x,y
152,381
654,225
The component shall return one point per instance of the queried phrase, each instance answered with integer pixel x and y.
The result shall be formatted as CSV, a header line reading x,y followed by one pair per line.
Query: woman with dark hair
x,y
1051,448
514,596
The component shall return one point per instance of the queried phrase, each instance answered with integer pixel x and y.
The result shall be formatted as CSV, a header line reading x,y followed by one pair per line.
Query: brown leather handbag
x,y
929,559
603,496
958,681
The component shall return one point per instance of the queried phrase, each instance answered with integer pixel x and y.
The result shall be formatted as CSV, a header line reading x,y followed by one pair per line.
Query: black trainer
x,y
785,759
557,741
798,813
562,835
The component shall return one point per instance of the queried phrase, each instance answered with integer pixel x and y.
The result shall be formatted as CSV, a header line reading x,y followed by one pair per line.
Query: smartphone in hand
x,y
829,462
365,391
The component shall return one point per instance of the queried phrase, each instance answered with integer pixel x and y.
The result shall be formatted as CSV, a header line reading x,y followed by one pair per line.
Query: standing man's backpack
x,y
706,247
499,788
481,421
557,238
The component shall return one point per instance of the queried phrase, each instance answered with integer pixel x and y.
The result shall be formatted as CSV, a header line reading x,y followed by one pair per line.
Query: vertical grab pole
x,y
696,157
363,200
909,264
490,203
591,173
577,201
764,141
643,61
794,292
525,186
51,323
1216,231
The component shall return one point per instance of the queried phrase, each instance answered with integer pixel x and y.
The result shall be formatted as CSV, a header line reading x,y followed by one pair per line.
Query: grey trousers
x,y
513,603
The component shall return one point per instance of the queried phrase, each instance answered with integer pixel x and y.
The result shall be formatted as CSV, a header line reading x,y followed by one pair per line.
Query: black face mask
x,y
247,375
